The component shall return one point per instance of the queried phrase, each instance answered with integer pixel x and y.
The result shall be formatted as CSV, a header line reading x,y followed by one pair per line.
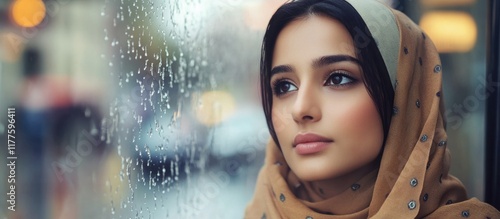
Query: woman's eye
x,y
339,79
281,87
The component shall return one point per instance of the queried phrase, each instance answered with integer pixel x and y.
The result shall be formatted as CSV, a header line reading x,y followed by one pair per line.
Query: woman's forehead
x,y
311,38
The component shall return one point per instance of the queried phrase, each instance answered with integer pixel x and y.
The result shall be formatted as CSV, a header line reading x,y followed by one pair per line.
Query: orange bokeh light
x,y
451,31
28,13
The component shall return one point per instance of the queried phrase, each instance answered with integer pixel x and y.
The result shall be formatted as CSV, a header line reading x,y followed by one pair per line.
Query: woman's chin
x,y
312,174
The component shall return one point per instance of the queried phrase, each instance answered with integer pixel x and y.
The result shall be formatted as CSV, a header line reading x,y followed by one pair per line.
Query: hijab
x,y
413,179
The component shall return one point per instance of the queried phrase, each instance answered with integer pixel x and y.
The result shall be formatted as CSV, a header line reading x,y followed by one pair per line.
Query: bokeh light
x,y
28,13
214,107
451,31
440,3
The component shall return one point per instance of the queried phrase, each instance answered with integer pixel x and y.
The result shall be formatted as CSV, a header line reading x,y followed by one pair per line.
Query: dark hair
x,y
375,75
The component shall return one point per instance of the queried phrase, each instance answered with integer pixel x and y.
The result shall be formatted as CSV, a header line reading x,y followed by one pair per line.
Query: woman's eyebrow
x,y
326,60
281,69
320,62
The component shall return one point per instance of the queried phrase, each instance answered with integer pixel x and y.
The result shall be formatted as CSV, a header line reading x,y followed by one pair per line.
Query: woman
x,y
352,97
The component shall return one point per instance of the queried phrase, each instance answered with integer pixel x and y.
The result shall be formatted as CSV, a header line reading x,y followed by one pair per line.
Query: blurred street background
x,y
151,109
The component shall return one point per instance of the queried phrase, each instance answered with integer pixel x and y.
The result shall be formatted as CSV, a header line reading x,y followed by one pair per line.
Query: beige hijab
x,y
413,179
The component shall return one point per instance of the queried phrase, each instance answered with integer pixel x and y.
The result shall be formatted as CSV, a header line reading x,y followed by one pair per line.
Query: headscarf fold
x,y
413,179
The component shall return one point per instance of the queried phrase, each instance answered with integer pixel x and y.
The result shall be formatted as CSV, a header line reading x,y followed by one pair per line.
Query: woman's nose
x,y
306,107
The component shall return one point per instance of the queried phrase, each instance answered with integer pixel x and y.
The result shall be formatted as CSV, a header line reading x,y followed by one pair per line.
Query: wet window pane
x,y
151,109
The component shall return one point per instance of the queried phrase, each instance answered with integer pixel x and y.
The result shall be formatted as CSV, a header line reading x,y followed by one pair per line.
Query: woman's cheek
x,y
281,117
357,121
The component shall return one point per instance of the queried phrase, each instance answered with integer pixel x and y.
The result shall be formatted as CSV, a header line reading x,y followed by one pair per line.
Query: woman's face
x,y
325,120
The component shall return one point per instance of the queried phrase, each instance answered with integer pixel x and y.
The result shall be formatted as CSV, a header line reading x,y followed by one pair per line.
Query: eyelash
x,y
275,85
343,74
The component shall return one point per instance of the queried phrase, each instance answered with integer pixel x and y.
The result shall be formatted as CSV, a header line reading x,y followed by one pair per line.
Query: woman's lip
x,y
309,143
311,147
310,138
